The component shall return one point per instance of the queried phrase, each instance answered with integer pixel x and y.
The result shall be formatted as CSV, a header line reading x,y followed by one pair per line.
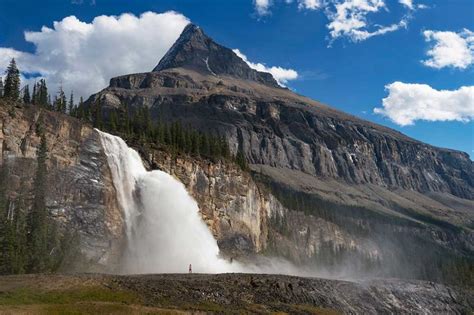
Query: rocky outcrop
x,y
80,193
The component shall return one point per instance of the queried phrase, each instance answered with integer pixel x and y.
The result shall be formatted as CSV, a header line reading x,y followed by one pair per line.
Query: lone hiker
x,y
190,268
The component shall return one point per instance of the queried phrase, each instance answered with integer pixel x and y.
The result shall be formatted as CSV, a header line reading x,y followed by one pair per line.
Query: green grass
x,y
91,308
70,296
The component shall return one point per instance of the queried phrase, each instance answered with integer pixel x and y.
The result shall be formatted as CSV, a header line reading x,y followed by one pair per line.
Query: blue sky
x,y
348,75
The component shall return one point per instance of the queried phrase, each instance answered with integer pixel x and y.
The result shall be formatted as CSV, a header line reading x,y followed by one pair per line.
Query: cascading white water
x,y
164,229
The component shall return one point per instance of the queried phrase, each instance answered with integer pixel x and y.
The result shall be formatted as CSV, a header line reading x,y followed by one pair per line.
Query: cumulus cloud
x,y
280,74
309,4
350,18
84,56
450,49
262,6
408,102
407,3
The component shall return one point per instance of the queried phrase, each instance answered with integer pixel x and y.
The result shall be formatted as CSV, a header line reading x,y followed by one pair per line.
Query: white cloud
x,y
349,18
84,56
310,4
408,102
262,6
450,49
407,3
280,74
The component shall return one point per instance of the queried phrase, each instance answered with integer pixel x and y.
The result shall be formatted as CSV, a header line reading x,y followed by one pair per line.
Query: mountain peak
x,y
196,51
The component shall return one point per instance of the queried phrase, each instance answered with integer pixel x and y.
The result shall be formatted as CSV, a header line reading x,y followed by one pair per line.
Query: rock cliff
x,y
323,183
80,193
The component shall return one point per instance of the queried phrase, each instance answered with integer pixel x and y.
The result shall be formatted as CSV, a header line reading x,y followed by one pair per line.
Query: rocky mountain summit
x,y
337,183
194,50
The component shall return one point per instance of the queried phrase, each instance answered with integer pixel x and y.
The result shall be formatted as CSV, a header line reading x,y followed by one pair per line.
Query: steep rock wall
x,y
80,193
246,218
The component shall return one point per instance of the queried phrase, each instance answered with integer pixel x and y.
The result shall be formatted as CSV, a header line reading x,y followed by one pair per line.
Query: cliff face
x,y
310,221
278,128
248,215
80,193
323,183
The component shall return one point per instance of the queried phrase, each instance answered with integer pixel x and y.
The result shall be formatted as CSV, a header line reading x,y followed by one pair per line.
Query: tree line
x,y
39,95
137,125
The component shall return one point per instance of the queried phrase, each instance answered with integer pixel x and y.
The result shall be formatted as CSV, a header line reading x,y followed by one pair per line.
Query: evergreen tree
x,y
5,240
12,81
60,103
26,94
70,107
80,110
1,87
42,96
38,217
19,228
34,96
98,121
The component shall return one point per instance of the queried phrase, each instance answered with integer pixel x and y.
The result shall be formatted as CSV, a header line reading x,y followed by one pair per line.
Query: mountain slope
x,y
398,194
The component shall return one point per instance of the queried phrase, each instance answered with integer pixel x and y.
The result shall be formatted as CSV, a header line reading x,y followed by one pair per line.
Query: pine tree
x,y
70,107
96,113
38,217
34,96
42,96
19,227
1,87
80,110
60,101
26,94
12,81
4,222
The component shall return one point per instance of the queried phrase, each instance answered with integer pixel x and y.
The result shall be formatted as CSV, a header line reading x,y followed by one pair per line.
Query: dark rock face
x,y
195,50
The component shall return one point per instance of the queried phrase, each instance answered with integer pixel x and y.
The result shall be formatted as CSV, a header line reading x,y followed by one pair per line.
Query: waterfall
x,y
165,232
